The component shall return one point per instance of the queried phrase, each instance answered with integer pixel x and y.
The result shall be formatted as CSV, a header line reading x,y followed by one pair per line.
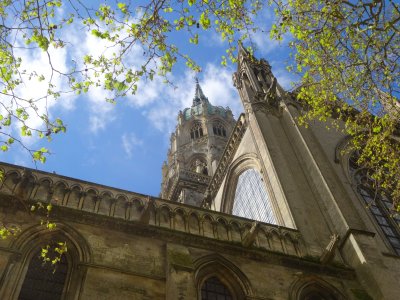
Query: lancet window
x,y
214,289
196,131
41,282
219,129
251,198
378,202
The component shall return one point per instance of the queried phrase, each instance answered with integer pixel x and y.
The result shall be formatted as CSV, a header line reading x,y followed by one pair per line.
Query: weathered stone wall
x,y
146,248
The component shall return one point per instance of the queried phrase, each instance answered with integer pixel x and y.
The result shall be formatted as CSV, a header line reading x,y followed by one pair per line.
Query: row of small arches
x,y
170,216
45,189
268,237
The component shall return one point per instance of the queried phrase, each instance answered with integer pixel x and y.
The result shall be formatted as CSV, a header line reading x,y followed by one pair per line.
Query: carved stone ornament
x,y
271,95
237,83
329,252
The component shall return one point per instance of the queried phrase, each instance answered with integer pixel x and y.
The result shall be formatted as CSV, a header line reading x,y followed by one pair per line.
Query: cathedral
x,y
253,208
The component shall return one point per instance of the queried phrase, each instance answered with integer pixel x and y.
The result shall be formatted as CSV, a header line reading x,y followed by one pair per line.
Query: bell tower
x,y
196,147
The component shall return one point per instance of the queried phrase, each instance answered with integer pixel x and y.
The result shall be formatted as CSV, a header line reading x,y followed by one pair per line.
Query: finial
x,y
196,79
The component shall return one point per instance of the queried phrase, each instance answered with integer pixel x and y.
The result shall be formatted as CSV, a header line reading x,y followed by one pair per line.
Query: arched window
x,y
251,198
43,281
318,295
214,289
219,129
218,278
196,131
313,288
28,278
378,202
199,166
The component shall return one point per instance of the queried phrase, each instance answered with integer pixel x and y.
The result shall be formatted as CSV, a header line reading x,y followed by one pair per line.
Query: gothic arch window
x,y
28,278
43,281
251,198
378,202
219,129
317,294
313,288
196,131
214,289
218,279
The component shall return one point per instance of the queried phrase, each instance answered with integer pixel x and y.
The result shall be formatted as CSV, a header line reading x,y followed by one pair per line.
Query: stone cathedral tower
x,y
196,148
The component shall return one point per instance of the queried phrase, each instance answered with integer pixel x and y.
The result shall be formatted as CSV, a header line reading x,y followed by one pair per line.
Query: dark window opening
x,y
43,281
205,171
214,289
219,129
196,131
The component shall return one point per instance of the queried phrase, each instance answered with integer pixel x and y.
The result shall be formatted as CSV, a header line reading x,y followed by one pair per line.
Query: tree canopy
x,y
122,28
347,54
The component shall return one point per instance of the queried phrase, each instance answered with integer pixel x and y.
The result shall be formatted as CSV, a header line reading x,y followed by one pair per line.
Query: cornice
x,y
183,236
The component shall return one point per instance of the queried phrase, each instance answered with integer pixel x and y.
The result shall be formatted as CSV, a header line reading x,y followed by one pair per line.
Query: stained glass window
x,y
378,202
251,198
42,281
214,289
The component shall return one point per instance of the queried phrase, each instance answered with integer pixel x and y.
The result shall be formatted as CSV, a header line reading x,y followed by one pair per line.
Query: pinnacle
x,y
199,95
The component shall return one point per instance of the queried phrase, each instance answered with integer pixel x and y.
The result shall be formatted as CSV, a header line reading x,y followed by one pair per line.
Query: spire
x,y
242,51
198,95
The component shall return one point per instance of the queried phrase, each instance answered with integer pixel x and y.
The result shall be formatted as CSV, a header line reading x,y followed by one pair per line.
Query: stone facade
x,y
196,148
123,245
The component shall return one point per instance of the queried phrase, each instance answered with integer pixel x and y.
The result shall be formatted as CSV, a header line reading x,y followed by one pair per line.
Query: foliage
x,y
53,254
347,54
45,27
49,253
45,210
8,231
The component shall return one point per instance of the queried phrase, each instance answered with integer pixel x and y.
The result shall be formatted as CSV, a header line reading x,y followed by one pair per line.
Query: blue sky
x,y
123,145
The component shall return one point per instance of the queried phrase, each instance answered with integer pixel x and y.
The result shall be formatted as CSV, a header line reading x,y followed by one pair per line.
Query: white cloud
x,y
218,86
34,63
102,112
265,44
162,105
129,142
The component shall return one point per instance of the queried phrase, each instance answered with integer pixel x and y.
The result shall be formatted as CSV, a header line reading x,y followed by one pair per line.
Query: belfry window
x,y
214,289
42,281
199,166
251,198
219,129
196,131
378,202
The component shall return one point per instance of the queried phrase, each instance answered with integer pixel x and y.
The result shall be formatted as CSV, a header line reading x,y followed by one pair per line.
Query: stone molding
x,y
226,158
132,207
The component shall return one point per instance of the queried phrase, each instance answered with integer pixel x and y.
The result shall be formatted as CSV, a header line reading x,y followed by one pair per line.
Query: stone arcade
x,y
260,208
